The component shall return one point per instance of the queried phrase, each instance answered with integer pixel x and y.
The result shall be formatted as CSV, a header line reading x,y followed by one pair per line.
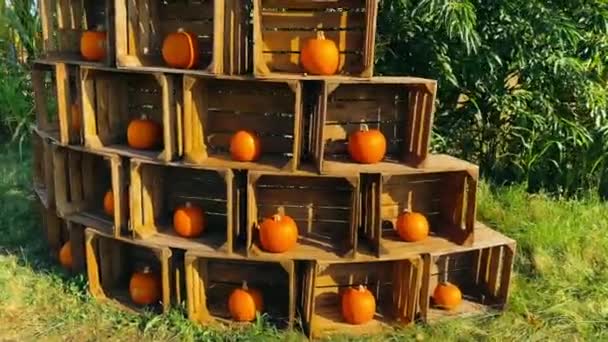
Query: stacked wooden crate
x,y
346,212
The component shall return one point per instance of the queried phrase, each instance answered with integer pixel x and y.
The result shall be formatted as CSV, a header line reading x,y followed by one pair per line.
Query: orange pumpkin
x,y
108,203
358,305
145,287
93,45
245,146
320,56
180,50
447,296
76,117
144,133
278,233
412,226
367,146
244,302
65,256
189,220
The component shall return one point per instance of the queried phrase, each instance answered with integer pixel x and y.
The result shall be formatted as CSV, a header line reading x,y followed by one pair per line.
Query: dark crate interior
x,y
170,187
45,87
38,162
220,108
285,26
322,208
270,278
150,21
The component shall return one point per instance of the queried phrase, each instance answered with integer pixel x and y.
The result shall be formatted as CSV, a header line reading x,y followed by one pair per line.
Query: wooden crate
x,y
156,190
82,179
56,88
215,109
55,229
395,285
447,199
112,99
42,174
210,281
324,208
111,261
482,272
221,27
401,107
64,21
282,26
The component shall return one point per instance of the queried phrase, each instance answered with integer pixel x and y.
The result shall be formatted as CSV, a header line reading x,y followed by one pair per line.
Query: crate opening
x,y
286,25
39,180
477,274
173,187
46,98
322,208
271,279
393,109
221,108
149,22
118,262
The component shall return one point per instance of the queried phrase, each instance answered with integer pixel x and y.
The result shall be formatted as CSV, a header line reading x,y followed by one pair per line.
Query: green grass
x,y
559,287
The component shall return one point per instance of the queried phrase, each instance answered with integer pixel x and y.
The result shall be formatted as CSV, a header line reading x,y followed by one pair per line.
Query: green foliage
x,y
523,84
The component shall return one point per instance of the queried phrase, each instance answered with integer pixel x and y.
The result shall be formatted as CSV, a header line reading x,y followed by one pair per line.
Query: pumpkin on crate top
x,y
412,226
245,146
145,287
358,305
367,146
93,44
278,233
144,133
189,220
244,303
180,49
320,56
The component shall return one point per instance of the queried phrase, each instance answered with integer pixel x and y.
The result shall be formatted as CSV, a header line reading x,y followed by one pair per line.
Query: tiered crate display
x,y
345,212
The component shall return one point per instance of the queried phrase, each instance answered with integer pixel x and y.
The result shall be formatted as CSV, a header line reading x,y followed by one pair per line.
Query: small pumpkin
x,y
244,302
93,44
367,146
108,203
76,117
144,133
65,256
180,49
358,305
189,220
245,146
447,296
412,226
320,56
145,287
278,233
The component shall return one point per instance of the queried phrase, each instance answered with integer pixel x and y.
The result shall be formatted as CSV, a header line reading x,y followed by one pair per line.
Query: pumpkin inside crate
x,y
82,180
395,286
282,27
216,109
64,23
111,263
401,108
112,100
323,208
158,190
482,275
210,282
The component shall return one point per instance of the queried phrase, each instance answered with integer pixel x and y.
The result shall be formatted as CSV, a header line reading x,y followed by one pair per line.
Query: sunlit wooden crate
x,y
111,261
482,272
323,207
282,26
210,280
158,189
444,192
215,109
64,21
221,27
42,173
82,178
394,284
111,99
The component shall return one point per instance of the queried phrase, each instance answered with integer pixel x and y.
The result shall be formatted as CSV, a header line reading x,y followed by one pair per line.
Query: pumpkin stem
x,y
276,217
244,286
181,30
320,35
146,269
143,117
364,128
361,288
188,204
99,28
